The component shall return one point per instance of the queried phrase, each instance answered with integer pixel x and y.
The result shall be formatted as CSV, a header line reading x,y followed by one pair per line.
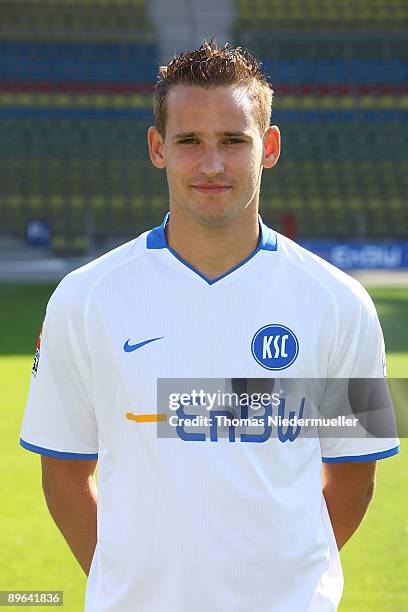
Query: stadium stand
x,y
76,81
338,70
317,15
75,102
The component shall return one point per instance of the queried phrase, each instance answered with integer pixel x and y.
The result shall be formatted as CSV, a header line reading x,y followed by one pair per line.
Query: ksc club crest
x,y
275,347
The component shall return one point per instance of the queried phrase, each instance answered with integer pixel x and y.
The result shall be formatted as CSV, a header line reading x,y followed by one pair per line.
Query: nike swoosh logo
x,y
129,348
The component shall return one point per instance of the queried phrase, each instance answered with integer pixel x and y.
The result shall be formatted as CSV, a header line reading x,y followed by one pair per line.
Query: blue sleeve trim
x,y
57,454
357,458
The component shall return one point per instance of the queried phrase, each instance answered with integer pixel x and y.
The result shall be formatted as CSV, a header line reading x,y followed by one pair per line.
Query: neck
x,y
213,251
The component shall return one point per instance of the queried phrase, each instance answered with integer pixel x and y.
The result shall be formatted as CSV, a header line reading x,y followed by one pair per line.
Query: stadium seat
x,y
76,83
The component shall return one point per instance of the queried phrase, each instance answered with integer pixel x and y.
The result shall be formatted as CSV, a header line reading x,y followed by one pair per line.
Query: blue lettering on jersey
x,y
285,433
275,347
182,433
214,427
290,433
263,419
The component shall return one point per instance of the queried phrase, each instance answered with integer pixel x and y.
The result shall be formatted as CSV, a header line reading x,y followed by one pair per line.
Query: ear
x,y
271,147
156,143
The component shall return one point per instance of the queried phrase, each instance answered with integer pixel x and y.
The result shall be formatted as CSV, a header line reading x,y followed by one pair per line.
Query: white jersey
x,y
201,524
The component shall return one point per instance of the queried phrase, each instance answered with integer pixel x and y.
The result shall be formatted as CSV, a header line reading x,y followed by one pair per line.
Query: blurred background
x,y
76,81
76,101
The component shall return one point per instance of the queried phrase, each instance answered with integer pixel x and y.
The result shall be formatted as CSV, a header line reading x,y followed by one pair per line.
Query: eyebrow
x,y
225,134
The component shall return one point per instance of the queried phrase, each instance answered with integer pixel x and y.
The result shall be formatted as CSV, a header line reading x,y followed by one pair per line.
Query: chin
x,y
213,214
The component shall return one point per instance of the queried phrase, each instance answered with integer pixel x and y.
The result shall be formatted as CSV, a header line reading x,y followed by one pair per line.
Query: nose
x,y
211,162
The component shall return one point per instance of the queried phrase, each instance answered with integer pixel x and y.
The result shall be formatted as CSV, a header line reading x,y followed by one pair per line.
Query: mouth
x,y
210,189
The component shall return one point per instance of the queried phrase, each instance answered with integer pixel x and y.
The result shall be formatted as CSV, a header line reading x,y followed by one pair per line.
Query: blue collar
x,y
156,239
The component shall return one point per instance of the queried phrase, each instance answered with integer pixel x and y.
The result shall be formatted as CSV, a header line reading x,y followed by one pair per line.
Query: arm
x,y
348,489
70,492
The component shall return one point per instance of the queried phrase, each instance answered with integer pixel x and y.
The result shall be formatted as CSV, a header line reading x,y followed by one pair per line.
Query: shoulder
x,y
348,321
342,291
74,291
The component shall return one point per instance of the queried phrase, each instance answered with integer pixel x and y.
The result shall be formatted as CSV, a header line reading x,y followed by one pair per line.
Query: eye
x,y
188,141
234,141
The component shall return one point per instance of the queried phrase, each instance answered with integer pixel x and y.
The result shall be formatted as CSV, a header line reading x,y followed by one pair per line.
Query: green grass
x,y
375,561
392,308
34,555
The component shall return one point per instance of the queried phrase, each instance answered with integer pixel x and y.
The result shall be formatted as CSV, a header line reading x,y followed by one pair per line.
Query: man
x,y
196,522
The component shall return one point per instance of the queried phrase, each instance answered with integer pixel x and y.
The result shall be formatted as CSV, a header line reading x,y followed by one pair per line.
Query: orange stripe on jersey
x,y
146,418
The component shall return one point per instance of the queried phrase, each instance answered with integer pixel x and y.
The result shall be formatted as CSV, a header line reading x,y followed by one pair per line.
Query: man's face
x,y
213,152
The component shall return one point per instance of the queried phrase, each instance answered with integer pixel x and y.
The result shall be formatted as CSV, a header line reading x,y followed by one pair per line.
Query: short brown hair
x,y
210,66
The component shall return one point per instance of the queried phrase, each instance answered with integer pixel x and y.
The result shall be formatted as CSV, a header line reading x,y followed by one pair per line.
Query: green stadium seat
x,y
79,157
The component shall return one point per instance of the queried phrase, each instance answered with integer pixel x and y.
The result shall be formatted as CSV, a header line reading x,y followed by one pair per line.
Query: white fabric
x,y
199,526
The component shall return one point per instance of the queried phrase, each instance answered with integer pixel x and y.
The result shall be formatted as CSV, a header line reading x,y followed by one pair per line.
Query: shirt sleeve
x,y
59,419
361,353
